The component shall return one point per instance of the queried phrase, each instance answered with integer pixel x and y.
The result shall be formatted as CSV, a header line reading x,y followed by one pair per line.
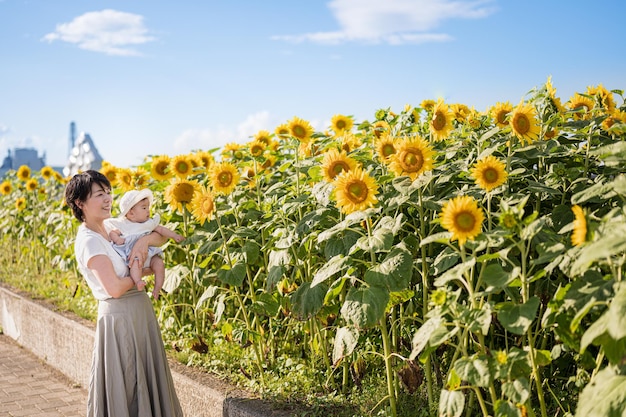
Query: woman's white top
x,y
89,244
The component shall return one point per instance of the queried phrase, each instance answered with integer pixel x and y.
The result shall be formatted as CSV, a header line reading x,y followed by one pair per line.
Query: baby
x,y
133,222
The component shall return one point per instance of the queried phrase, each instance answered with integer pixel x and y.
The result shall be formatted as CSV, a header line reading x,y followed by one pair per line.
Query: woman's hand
x,y
139,251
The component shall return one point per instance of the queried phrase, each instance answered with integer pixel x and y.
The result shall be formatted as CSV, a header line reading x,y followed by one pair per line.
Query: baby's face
x,y
140,212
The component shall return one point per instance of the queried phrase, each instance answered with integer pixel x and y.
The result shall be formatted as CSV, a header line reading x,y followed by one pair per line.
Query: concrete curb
x,y
66,345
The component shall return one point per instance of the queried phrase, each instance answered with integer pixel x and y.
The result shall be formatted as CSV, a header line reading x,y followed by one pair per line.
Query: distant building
x,y
22,156
83,156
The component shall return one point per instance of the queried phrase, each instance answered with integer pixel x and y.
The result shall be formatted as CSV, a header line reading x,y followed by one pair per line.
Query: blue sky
x,y
146,77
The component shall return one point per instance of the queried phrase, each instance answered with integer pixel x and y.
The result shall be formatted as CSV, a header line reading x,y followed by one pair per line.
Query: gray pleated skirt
x,y
130,376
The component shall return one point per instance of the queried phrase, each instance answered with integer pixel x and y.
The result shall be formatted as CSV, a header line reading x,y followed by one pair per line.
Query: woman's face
x,y
98,203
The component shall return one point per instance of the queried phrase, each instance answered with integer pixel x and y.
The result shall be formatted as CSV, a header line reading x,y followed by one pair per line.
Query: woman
x,y
130,375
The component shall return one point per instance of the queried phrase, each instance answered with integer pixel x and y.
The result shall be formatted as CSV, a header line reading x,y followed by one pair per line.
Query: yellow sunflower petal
x,y
462,217
355,190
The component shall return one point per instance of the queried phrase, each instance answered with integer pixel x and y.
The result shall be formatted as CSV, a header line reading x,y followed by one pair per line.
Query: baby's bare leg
x,y
158,267
135,274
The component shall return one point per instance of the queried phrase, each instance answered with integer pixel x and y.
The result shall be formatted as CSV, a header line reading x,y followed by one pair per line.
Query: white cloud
x,y
194,139
108,31
394,21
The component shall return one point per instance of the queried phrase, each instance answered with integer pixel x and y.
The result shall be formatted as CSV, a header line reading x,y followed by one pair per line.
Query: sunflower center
x,y
501,117
338,167
256,150
161,167
207,206
388,150
225,178
521,124
298,131
182,167
413,160
183,192
465,221
490,175
357,191
439,121
341,125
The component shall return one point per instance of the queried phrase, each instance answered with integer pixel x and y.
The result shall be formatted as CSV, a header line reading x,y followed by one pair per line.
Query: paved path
x,y
31,388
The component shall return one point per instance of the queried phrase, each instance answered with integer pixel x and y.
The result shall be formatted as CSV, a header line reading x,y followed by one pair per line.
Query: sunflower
x,y
6,188
160,168
23,172
474,119
335,162
462,217
282,131
556,101
232,151
224,177
140,178
500,113
125,178
581,105
355,190
380,127
386,147
180,192
202,205
428,104
441,121
205,158
181,166
32,184
263,136
300,129
110,172
413,157
489,173
604,97
270,161
257,148
524,123
350,142
340,123
20,203
46,172
460,111
579,236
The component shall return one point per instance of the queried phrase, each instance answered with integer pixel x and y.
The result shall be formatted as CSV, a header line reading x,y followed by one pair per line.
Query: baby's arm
x,y
116,236
170,234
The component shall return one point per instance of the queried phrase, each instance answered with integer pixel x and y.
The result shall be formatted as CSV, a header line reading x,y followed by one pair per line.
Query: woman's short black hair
x,y
79,189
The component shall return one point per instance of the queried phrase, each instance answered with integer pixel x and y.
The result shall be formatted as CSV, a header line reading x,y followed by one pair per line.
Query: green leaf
x,y
517,318
307,300
473,370
506,409
174,276
610,388
266,305
365,306
424,333
381,240
517,390
455,273
495,277
346,340
336,264
394,272
232,276
208,293
611,243
451,403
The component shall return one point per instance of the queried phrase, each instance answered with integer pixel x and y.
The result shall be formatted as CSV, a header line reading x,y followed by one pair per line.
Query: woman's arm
x,y
140,248
103,270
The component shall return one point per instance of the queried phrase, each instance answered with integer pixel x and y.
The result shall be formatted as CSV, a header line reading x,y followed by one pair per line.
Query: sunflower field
x,y
465,262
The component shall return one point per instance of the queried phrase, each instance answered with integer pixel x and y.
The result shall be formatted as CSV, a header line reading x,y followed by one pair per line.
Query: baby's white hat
x,y
133,197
